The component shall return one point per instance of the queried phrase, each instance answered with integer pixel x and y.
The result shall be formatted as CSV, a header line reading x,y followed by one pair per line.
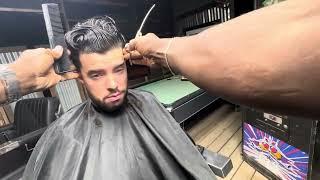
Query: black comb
x,y
55,32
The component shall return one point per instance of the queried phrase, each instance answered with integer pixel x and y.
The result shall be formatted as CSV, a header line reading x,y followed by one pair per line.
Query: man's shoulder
x,y
71,114
70,123
144,93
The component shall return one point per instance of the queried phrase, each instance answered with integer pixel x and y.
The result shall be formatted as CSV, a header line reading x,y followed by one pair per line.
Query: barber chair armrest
x,y
8,146
7,132
22,140
30,137
6,128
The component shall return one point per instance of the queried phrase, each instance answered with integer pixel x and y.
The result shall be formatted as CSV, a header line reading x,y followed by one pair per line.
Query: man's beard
x,y
101,105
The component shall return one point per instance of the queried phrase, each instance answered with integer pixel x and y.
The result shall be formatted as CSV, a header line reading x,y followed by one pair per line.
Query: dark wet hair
x,y
94,35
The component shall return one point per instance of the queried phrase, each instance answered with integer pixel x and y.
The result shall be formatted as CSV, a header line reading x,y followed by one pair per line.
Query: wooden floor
x,y
220,131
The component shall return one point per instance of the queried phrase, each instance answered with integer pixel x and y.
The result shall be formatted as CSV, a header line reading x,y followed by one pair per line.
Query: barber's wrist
x,y
169,55
162,53
27,79
157,51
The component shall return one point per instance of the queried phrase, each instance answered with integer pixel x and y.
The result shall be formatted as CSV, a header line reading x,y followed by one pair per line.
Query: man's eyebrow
x,y
95,71
120,65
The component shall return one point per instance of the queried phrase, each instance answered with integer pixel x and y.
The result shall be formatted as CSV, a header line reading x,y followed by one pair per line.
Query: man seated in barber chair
x,y
118,133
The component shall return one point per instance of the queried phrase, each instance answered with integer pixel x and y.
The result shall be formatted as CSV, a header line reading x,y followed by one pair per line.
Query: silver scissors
x,y
144,21
142,24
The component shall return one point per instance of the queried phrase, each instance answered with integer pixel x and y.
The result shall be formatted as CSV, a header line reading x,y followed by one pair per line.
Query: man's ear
x,y
80,78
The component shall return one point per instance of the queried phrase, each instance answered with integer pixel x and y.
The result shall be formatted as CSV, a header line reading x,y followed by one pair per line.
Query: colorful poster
x,y
282,159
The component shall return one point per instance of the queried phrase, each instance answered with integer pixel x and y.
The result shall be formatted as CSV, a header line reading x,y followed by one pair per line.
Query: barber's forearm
x,y
269,58
14,81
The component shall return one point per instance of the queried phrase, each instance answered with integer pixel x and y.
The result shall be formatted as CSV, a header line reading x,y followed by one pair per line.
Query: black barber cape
x,y
141,141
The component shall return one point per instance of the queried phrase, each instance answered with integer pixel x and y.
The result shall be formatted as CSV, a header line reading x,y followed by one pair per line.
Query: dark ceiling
x,y
22,21
22,24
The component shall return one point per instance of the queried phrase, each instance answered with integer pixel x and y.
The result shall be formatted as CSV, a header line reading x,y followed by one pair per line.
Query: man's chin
x,y
109,107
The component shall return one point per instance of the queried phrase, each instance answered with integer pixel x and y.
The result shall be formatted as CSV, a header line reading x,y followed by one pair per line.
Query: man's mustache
x,y
114,93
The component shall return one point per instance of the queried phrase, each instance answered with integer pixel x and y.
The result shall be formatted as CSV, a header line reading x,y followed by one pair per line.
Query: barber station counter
x,y
180,97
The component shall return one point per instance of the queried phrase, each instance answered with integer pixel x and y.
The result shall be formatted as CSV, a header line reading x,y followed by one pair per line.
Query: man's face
x,y
105,78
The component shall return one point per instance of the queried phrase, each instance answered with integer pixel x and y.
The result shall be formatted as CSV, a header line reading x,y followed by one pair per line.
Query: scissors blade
x,y
141,26
144,21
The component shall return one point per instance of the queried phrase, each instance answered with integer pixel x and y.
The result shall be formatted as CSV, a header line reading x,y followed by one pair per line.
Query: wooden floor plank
x,y
258,176
226,135
245,172
221,132
232,144
219,129
197,128
207,120
204,127
236,159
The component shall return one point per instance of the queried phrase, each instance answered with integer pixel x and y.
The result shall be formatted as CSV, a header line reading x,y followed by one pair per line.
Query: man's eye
x,y
95,76
119,69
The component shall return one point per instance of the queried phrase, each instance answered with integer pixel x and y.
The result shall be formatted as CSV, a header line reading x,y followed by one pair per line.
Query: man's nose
x,y
112,83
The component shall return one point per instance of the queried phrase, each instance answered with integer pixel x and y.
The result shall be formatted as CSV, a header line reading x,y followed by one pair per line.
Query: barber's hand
x,y
146,50
36,66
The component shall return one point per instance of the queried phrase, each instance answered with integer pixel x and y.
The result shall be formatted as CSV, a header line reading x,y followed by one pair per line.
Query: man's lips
x,y
113,97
